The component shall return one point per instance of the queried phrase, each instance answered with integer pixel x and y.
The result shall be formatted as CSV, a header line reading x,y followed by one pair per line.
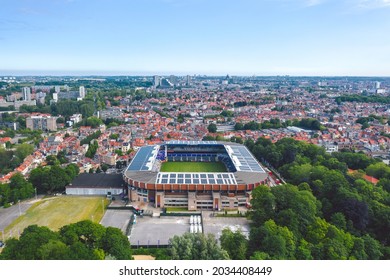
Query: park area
x,y
55,212
176,166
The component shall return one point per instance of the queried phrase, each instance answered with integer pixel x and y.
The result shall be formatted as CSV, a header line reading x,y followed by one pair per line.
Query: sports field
x,y
56,212
175,166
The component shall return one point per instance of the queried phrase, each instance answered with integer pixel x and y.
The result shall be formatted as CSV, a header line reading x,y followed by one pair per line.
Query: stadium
x,y
194,175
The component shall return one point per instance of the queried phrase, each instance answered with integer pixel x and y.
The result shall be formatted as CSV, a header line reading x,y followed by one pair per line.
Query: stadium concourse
x,y
229,189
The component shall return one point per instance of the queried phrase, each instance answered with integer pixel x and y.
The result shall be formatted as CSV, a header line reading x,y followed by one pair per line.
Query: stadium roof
x,y
242,159
144,159
196,178
182,142
248,169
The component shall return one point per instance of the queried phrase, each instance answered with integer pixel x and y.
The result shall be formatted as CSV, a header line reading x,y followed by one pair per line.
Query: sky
x,y
205,37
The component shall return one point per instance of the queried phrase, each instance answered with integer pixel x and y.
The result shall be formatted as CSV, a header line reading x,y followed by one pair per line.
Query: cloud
x,y
373,4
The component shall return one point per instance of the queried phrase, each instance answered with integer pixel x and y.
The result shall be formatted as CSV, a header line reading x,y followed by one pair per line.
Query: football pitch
x,y
176,166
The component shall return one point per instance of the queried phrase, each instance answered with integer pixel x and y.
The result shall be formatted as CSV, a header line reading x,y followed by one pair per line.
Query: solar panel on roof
x,y
143,156
243,159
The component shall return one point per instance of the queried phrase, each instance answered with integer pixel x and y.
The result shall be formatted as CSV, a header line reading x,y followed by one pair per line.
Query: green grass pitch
x,y
176,166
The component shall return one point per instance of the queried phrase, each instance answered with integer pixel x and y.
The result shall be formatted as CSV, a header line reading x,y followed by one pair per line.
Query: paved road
x,y
116,218
8,215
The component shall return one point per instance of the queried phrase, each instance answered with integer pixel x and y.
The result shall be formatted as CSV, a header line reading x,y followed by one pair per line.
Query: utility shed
x,y
97,184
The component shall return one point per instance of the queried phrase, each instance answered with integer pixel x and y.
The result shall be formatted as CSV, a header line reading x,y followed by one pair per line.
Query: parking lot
x,y
154,231
116,218
215,225
158,231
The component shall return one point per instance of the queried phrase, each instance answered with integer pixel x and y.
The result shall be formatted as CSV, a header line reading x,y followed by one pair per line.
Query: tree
x,y
278,242
379,170
338,219
302,203
116,244
86,232
192,246
212,128
5,194
87,110
52,160
72,170
263,204
92,148
27,247
104,167
23,150
235,243
54,250
94,122
20,188
354,210
39,179
58,179
303,251
372,248
60,120
238,126
208,138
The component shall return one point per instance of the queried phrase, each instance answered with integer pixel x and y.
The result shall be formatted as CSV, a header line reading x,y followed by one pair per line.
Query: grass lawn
x,y
55,212
177,209
175,166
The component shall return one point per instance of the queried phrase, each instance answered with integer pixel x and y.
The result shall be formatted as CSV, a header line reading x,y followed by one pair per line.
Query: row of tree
x,y
17,189
84,240
53,179
306,123
363,99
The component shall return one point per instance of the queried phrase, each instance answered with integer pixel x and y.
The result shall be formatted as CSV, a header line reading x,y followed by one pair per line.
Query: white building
x,y
76,118
26,94
82,92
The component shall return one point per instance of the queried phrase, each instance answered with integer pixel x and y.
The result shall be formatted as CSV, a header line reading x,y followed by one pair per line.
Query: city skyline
x,y
263,38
